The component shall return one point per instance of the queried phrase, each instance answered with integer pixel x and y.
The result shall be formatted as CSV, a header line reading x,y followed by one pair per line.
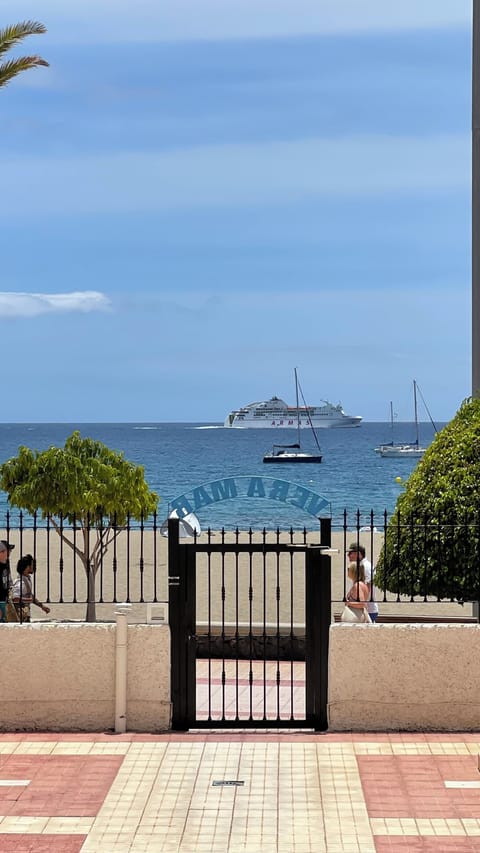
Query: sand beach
x,y
135,570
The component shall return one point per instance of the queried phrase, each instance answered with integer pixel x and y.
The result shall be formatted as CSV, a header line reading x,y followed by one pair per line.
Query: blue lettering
x,y
256,488
182,506
300,497
279,491
222,490
315,504
201,498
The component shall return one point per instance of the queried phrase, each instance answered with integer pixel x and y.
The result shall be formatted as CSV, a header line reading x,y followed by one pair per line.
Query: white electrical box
x,y
157,614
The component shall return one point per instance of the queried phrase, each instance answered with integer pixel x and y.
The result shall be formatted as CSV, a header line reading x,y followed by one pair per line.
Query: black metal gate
x,y
249,624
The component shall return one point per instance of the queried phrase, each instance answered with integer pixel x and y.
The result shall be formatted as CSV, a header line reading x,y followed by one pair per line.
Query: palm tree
x,y
10,37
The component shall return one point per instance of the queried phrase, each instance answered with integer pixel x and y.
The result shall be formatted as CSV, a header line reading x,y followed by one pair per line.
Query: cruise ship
x,y
275,413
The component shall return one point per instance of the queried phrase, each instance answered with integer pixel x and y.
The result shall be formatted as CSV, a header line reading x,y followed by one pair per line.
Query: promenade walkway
x,y
294,792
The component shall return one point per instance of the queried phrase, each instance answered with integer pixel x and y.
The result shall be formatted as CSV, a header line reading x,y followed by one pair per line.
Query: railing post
x,y
317,629
325,615
181,611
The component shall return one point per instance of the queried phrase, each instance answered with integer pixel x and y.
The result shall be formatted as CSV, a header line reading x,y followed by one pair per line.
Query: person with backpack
x,y
22,593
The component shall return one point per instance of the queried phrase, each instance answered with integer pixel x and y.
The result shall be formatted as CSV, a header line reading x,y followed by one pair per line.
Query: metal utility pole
x,y
476,200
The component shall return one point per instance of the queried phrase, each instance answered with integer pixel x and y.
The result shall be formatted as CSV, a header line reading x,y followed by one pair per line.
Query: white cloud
x,y
33,304
233,175
168,20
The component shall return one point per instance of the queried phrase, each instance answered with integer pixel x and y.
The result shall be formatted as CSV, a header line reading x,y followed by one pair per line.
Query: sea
x,y
183,459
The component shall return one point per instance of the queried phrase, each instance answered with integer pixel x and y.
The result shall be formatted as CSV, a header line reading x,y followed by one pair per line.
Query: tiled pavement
x,y
299,793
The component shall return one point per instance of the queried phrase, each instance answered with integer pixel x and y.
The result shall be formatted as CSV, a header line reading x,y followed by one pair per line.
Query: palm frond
x,y
15,33
10,69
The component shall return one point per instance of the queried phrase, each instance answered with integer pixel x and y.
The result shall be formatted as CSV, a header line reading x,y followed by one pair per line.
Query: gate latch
x,y
325,549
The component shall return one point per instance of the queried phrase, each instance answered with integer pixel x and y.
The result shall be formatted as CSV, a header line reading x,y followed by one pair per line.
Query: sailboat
x,y
407,451
388,443
293,453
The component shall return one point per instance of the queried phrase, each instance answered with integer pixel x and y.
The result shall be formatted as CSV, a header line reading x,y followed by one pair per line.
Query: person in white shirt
x,y
22,594
356,554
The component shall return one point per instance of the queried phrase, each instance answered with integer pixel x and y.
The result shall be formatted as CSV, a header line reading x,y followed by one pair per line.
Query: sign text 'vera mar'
x,y
238,488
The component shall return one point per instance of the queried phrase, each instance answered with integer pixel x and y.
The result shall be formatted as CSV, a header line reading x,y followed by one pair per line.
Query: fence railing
x,y
424,566
431,564
130,567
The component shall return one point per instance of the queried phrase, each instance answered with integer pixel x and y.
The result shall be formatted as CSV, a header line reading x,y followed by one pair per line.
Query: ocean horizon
x,y
179,458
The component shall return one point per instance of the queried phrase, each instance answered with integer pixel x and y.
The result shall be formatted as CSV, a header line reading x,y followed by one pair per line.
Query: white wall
x,y
61,677
58,677
411,677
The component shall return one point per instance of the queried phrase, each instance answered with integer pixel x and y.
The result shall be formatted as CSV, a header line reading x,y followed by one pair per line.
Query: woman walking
x,y
22,595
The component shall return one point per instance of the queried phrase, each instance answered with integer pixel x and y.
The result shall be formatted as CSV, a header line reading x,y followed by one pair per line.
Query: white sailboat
x,y
407,451
293,453
392,442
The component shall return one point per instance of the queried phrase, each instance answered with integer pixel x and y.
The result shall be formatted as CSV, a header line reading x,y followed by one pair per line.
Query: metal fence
x,y
132,569
413,553
425,569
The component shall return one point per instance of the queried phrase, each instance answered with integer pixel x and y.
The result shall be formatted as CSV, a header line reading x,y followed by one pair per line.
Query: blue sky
x,y
200,195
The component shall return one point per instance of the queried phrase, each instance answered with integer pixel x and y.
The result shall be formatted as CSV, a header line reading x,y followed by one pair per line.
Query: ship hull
x,y
318,423
277,414
290,458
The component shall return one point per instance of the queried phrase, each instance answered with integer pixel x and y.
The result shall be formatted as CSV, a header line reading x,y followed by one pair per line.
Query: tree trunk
x,y
91,611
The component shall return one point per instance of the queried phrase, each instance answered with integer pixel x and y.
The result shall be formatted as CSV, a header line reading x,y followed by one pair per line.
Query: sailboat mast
x,y
391,418
415,409
307,412
298,409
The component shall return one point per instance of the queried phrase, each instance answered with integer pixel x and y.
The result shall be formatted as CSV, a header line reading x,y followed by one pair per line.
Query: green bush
x,y
432,544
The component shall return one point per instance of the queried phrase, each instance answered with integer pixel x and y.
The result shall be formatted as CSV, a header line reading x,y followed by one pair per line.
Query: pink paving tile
x,y
60,785
414,786
432,844
225,691
34,843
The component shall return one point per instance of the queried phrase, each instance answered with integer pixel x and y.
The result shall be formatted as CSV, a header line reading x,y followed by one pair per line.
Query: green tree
x,y
88,486
9,38
432,544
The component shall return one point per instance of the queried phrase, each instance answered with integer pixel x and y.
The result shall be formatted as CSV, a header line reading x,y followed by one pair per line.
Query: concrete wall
x,y
58,677
410,677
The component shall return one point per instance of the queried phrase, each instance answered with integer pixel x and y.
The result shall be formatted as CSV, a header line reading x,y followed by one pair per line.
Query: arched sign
x,y
237,488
